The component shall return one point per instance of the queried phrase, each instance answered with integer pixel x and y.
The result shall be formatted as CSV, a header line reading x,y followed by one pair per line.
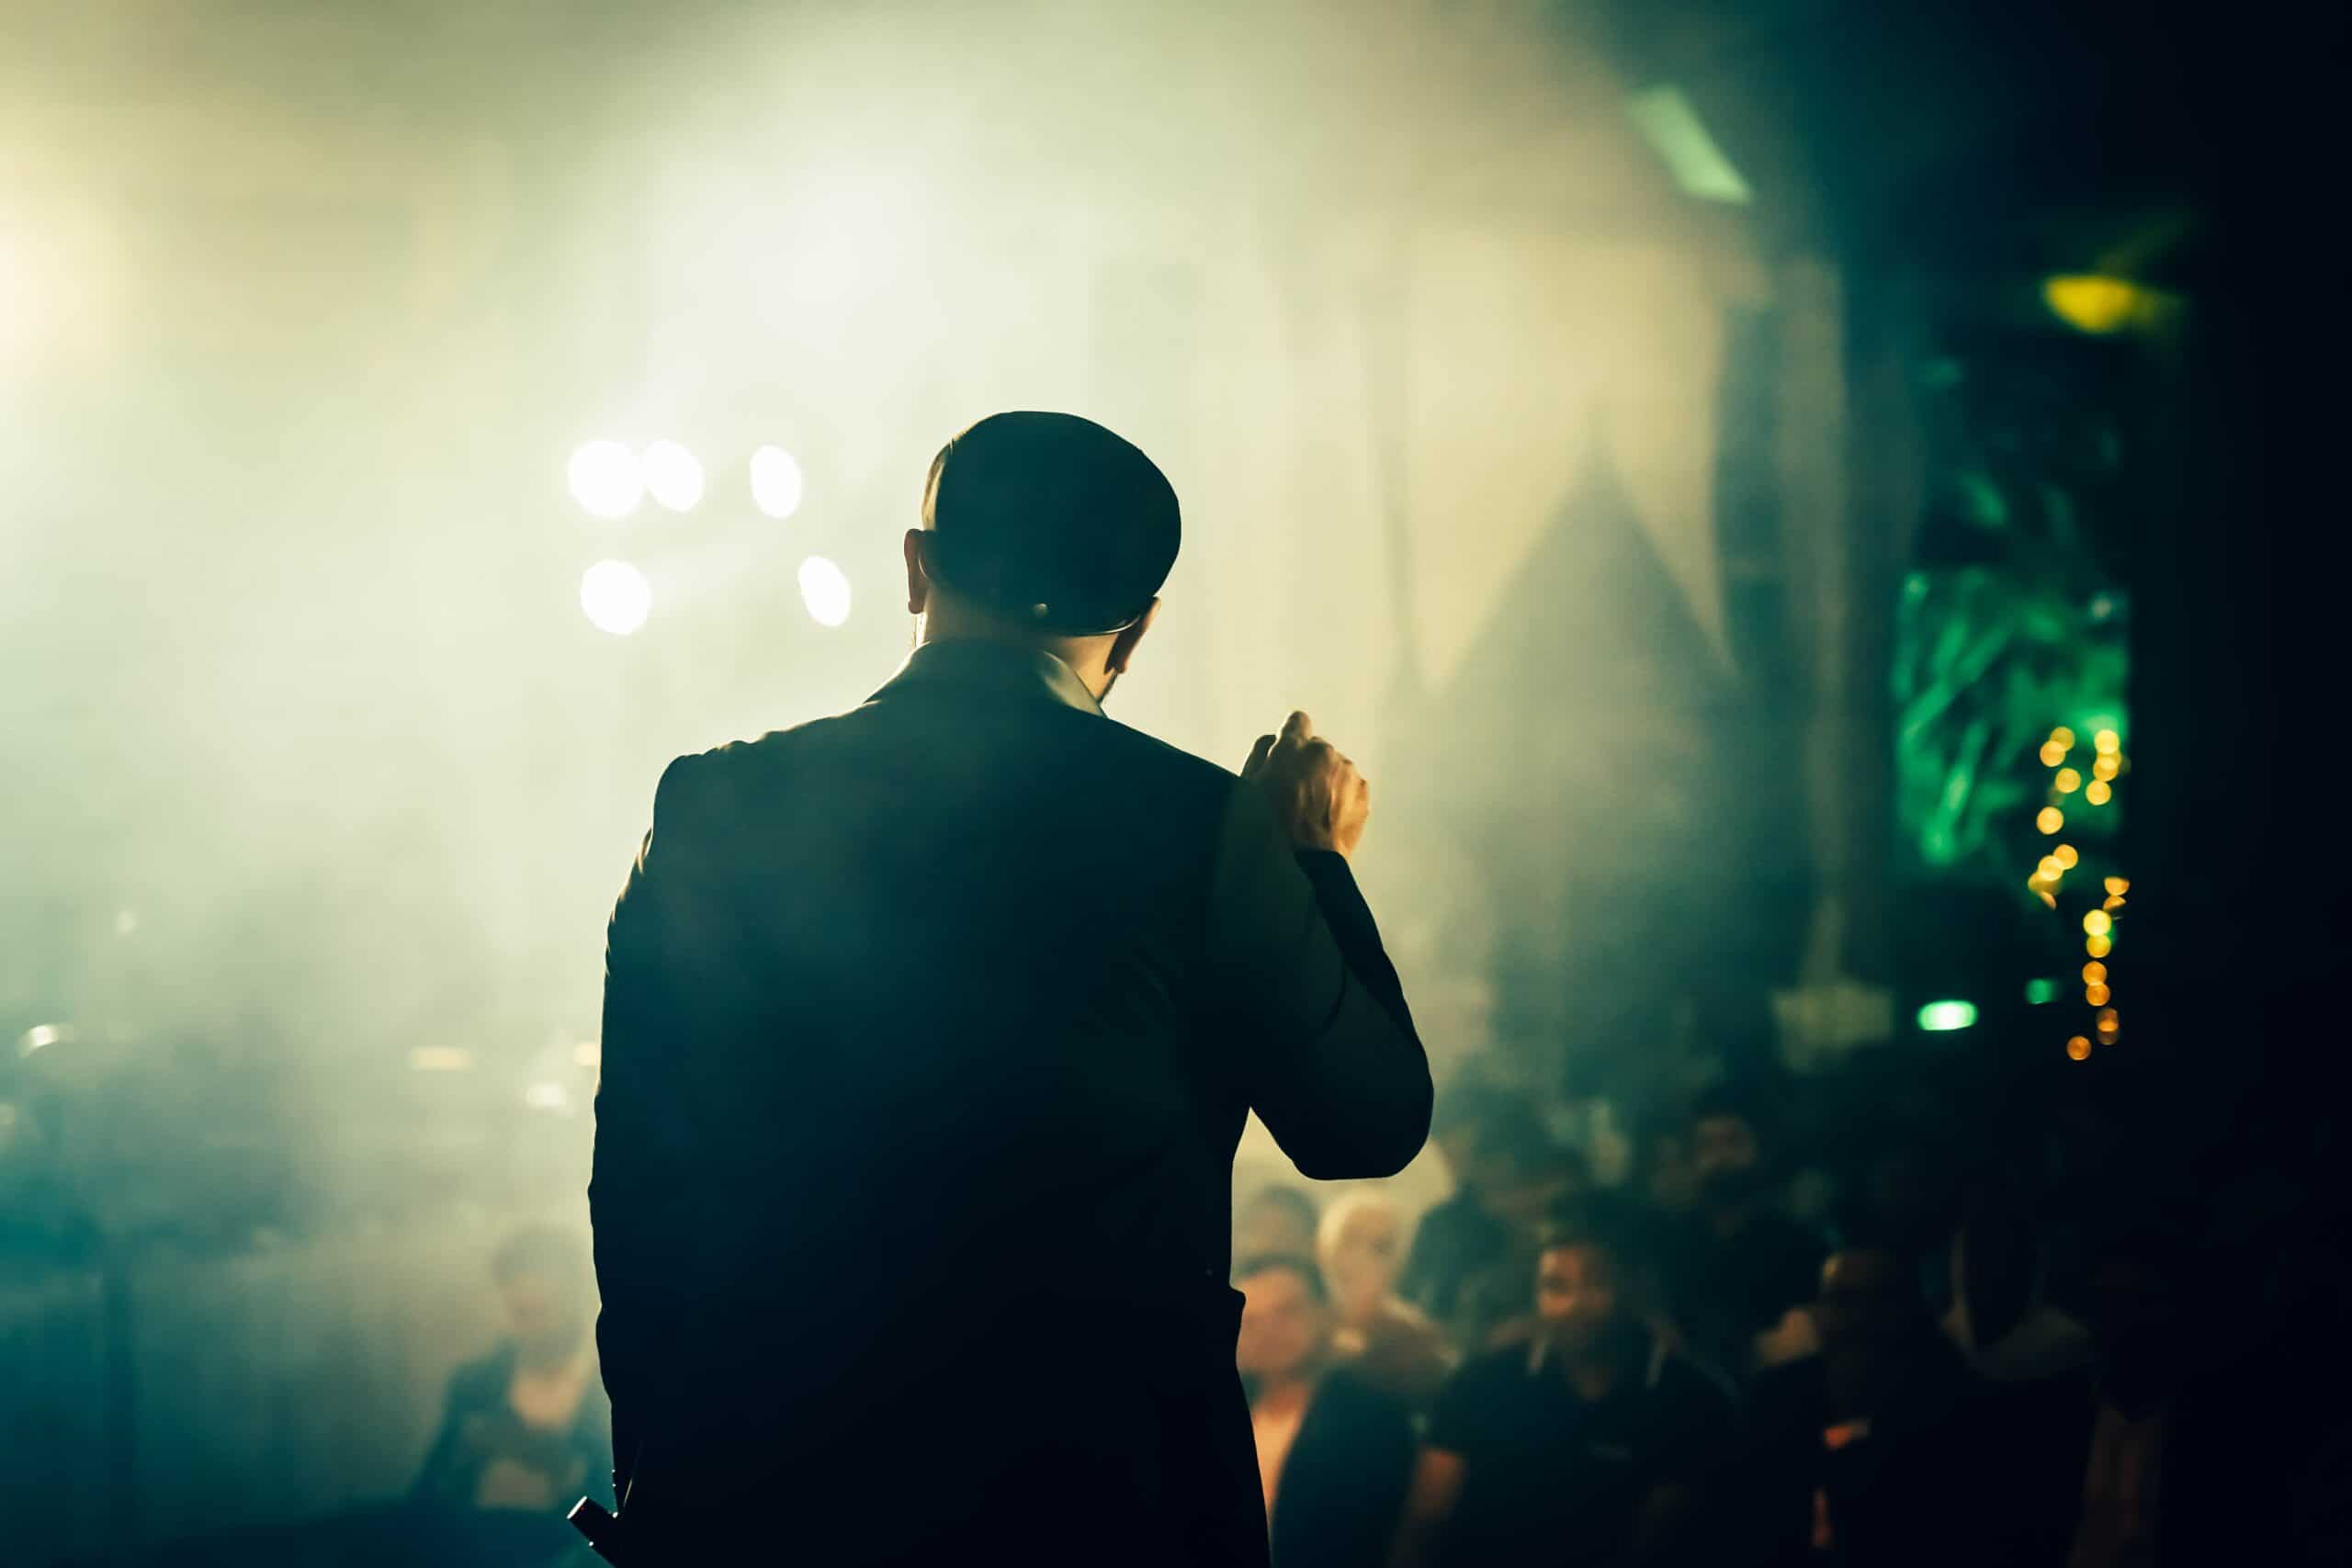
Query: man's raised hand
x,y
1317,795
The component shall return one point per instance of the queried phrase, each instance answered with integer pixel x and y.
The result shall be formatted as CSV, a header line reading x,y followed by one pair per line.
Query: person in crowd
x,y
1473,1254
1459,1227
1737,1265
2000,1317
1460,1120
1279,1220
1335,1452
1882,1448
1361,1251
2140,1367
525,1427
1665,1175
1593,1443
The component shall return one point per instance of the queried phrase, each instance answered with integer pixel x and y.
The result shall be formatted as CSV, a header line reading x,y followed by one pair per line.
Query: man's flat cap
x,y
1050,521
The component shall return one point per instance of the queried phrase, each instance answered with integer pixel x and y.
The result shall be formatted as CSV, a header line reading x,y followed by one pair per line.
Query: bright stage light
x,y
825,591
616,596
606,479
673,475
775,481
1942,1018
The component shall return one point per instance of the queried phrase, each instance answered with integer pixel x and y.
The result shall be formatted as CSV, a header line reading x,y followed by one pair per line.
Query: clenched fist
x,y
1318,797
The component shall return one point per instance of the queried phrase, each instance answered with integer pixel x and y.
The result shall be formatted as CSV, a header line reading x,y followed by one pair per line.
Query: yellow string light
x,y
2104,768
2114,902
2079,1048
2051,819
2107,743
2119,886
2099,946
2053,753
2062,737
2094,974
2065,856
2098,923
2100,792
2068,781
2096,994
2050,869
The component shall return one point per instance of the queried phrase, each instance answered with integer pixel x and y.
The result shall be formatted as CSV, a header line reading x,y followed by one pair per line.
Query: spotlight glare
x,y
825,591
615,596
605,478
672,476
775,481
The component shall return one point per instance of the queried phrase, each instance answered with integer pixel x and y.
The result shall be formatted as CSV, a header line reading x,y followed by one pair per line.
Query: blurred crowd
x,y
1725,1355
1683,1368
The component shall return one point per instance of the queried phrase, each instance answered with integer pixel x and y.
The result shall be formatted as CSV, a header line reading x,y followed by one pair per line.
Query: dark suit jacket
x,y
930,1030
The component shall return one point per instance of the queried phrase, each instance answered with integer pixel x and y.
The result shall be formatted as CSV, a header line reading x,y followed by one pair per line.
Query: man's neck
x,y
1083,655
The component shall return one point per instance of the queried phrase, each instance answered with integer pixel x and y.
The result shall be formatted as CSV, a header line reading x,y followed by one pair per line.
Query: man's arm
x,y
1329,1060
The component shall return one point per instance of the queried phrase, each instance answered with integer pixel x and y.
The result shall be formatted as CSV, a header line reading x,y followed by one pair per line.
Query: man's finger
x,y
1258,755
1297,729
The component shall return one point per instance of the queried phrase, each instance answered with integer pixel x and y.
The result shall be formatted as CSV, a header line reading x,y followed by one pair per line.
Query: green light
x,y
1671,127
1939,1018
2037,992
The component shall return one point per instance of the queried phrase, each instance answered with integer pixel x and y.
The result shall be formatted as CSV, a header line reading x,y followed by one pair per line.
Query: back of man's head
x,y
1049,524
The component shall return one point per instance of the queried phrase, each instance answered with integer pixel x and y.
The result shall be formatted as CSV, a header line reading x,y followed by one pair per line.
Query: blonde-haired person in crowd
x,y
1361,1249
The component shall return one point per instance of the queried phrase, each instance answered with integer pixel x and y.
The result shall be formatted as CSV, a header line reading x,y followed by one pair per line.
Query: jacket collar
x,y
990,666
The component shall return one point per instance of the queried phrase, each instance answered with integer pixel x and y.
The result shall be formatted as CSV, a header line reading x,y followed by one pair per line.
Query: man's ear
x,y
918,579
1123,647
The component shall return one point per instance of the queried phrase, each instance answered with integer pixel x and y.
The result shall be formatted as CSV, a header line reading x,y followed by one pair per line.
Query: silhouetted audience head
x,y
1458,1124
1277,1221
1286,1317
546,1284
1868,1303
1730,1163
1523,1171
1666,1176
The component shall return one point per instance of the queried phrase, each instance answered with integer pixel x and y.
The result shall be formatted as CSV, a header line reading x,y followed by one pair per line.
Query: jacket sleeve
x,y
1309,1002
637,1189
